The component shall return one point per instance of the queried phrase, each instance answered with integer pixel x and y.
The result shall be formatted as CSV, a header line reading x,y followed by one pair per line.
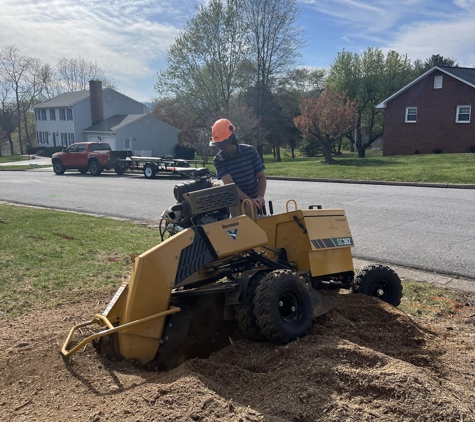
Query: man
x,y
238,163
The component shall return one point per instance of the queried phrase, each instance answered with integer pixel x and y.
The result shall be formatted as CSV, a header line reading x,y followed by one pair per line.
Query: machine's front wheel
x,y
283,307
245,311
379,281
149,171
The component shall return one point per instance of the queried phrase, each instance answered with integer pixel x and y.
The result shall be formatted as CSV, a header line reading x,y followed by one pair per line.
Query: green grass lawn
x,y
12,158
428,168
50,257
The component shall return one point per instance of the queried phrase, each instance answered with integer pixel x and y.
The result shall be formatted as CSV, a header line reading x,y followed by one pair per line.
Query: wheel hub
x,y
289,308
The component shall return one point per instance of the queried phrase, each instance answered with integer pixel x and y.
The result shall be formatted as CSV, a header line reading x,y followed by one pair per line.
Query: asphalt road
x,y
425,228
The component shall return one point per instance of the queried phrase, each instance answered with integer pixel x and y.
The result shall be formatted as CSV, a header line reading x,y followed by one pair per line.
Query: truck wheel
x,y
58,167
95,168
283,306
83,170
245,311
149,171
379,281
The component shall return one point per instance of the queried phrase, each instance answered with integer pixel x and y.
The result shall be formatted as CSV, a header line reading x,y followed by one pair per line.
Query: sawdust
x,y
364,361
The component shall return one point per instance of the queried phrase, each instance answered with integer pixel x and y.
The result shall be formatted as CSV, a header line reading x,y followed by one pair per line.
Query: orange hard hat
x,y
221,132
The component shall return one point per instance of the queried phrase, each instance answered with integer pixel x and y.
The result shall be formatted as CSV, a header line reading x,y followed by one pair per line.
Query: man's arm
x,y
242,196
261,188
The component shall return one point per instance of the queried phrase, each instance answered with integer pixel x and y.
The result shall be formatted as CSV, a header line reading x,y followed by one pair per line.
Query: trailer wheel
x,y
245,311
95,168
149,171
379,281
283,307
58,167
120,168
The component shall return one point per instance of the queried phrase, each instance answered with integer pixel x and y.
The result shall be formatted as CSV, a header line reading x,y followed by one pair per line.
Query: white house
x,y
102,115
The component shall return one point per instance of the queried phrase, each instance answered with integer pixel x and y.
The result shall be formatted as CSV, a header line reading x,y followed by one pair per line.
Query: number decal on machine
x,y
333,242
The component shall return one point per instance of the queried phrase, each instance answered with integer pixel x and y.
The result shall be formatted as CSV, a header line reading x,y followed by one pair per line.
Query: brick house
x,y
431,114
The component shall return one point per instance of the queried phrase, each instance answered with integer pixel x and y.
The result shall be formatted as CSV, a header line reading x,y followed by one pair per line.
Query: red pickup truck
x,y
90,156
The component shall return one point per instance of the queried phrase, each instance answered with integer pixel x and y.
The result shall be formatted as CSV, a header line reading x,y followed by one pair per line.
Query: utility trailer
x,y
151,166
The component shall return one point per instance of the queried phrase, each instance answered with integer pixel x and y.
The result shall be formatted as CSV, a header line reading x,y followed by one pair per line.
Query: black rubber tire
x,y
58,167
83,170
120,169
95,168
245,311
169,157
283,307
379,281
149,171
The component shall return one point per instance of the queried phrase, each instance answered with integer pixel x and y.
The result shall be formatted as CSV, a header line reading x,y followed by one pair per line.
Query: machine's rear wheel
x,y
245,311
282,306
149,171
379,281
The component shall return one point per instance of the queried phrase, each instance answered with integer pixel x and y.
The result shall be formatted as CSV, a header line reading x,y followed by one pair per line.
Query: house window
x,y
70,114
463,114
438,81
64,139
71,138
127,143
411,114
37,115
62,114
43,114
52,114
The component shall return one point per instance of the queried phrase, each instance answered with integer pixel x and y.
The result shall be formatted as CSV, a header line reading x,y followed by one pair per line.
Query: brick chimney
x,y
95,96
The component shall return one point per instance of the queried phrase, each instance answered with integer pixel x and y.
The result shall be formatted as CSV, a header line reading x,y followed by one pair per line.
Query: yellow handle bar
x,y
111,330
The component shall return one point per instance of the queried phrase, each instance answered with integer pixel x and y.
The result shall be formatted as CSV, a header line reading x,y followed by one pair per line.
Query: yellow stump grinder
x,y
212,275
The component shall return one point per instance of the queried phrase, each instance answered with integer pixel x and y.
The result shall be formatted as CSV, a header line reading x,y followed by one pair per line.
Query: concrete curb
x,y
375,182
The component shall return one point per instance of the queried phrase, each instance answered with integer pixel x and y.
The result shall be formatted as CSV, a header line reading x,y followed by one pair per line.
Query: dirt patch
x,y
364,361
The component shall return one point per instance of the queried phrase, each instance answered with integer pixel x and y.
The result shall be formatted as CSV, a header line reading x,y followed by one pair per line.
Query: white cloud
x,y
454,40
124,37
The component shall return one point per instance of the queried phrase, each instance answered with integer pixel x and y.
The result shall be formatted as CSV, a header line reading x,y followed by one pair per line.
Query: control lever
x,y
271,208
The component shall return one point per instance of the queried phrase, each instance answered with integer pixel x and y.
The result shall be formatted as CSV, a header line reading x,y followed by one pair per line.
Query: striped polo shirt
x,y
243,168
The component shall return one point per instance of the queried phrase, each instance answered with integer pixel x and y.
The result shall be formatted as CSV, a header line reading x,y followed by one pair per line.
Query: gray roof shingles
x,y
114,123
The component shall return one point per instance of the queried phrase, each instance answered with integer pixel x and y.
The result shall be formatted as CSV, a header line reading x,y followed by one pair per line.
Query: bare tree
x,y
75,74
14,70
7,117
275,40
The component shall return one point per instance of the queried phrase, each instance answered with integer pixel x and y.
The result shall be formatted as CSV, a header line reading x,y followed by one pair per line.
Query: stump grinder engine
x,y
213,276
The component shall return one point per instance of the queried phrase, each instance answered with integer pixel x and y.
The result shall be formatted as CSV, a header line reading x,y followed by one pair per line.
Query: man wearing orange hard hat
x,y
238,163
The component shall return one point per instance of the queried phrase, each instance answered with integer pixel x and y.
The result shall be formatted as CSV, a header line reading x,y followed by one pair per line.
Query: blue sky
x,y
128,38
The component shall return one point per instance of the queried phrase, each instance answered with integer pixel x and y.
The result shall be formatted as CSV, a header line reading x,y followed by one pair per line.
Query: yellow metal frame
x,y
101,318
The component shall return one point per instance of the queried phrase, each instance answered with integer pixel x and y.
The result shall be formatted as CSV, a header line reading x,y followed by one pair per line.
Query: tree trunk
x,y
327,151
19,122
260,150
359,142
10,141
277,150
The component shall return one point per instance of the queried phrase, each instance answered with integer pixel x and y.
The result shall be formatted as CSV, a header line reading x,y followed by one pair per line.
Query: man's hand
x,y
258,202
